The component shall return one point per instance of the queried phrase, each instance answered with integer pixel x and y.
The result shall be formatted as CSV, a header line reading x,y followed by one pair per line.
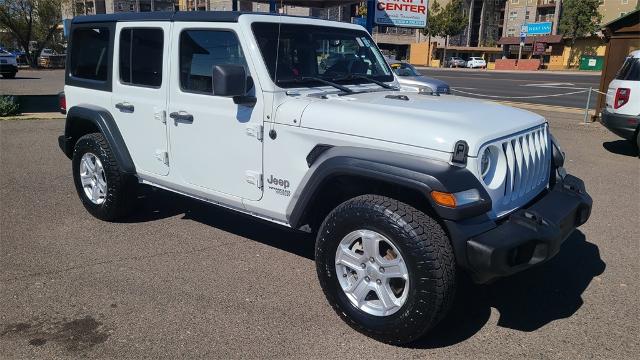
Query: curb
x,y
34,116
542,107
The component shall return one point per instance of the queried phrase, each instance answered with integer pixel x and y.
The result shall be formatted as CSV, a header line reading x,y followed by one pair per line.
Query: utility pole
x,y
523,30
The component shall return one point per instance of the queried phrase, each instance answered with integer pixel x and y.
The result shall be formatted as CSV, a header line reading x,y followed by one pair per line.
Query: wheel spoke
x,y
85,180
95,192
348,258
395,271
359,291
88,163
386,296
370,241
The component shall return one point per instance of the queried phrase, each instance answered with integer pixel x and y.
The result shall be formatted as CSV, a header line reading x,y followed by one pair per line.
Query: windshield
x,y
404,70
335,54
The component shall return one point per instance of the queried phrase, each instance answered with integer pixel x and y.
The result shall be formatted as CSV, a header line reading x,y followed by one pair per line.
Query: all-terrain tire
x,y
121,188
426,251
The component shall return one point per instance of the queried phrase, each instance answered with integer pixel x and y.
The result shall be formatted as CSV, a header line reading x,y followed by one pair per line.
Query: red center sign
x,y
402,13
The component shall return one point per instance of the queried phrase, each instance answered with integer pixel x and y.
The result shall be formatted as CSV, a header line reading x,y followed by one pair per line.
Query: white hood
x,y
433,122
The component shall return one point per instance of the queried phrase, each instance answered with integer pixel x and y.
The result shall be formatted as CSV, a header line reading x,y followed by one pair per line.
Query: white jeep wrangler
x,y
299,122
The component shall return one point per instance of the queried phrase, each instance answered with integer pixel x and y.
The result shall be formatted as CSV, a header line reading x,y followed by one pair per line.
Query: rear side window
x,y
200,50
630,70
141,56
90,53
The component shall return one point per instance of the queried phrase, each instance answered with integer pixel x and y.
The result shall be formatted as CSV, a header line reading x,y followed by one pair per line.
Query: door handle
x,y
181,116
125,107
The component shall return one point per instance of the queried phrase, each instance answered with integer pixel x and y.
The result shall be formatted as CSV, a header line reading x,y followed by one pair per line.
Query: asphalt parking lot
x,y
556,88
186,279
33,82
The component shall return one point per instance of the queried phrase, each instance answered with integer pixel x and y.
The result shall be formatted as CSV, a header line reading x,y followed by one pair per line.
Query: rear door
x,y
140,83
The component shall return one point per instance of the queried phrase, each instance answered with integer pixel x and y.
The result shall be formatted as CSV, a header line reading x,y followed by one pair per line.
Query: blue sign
x,y
541,28
362,21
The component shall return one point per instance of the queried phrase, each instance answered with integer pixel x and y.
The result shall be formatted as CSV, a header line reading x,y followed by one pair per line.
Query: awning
x,y
514,40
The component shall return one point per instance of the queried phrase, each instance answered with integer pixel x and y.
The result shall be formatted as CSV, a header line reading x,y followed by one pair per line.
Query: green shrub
x,y
8,105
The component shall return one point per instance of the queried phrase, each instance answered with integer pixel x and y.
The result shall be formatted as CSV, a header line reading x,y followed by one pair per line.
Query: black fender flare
x,y
417,173
101,119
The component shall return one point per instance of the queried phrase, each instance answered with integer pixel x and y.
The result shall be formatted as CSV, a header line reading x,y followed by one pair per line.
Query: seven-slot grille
x,y
526,158
527,163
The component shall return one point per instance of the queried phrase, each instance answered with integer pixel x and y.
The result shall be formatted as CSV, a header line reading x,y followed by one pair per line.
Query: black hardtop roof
x,y
212,16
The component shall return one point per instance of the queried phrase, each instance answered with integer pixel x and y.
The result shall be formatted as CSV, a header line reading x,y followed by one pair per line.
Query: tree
x,y
579,18
30,21
434,25
452,22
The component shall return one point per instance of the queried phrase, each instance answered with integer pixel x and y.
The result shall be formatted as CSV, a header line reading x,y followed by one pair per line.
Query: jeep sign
x,y
402,13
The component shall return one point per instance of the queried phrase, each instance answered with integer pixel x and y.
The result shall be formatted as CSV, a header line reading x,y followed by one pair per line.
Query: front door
x,y
215,144
139,101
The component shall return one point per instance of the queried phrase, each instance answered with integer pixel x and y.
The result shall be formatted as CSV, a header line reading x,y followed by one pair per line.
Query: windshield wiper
x,y
363,77
317,79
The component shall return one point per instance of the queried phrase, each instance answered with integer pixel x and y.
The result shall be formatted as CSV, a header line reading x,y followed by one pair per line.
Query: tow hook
x,y
530,219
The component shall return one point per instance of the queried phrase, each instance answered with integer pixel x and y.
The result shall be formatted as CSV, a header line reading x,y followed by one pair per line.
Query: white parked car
x,y
403,190
411,79
476,62
622,111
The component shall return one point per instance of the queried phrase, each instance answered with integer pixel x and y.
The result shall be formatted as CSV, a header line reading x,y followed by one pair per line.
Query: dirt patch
x,y
74,335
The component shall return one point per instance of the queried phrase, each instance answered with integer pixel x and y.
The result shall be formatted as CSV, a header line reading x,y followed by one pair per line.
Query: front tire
x,y
410,267
106,192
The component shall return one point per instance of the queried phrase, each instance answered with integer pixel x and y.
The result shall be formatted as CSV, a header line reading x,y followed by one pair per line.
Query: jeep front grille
x,y
525,159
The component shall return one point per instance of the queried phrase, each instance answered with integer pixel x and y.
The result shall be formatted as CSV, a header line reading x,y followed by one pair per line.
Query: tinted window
x,y
89,53
141,56
200,50
630,70
333,54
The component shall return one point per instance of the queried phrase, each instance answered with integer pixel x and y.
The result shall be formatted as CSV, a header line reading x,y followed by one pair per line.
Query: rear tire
x,y
106,192
9,75
424,249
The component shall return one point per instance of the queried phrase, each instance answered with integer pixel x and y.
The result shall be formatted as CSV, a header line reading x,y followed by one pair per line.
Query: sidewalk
x,y
559,72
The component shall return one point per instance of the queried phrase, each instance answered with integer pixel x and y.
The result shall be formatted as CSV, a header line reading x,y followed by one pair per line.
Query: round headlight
x,y
485,163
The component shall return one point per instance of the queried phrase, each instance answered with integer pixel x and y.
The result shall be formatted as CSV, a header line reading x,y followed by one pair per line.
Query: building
x,y
614,9
93,7
519,12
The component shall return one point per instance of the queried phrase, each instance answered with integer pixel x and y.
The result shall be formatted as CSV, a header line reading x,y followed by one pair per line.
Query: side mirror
x,y
231,81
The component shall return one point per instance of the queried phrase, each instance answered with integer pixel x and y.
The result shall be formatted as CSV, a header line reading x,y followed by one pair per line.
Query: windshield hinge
x,y
460,151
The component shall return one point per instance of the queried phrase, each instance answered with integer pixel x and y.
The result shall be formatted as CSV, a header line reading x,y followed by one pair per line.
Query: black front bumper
x,y
529,236
8,69
624,126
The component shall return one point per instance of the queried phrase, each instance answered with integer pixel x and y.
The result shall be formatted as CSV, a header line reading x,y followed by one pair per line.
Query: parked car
x,y
403,191
476,62
410,79
454,62
8,64
621,114
48,52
